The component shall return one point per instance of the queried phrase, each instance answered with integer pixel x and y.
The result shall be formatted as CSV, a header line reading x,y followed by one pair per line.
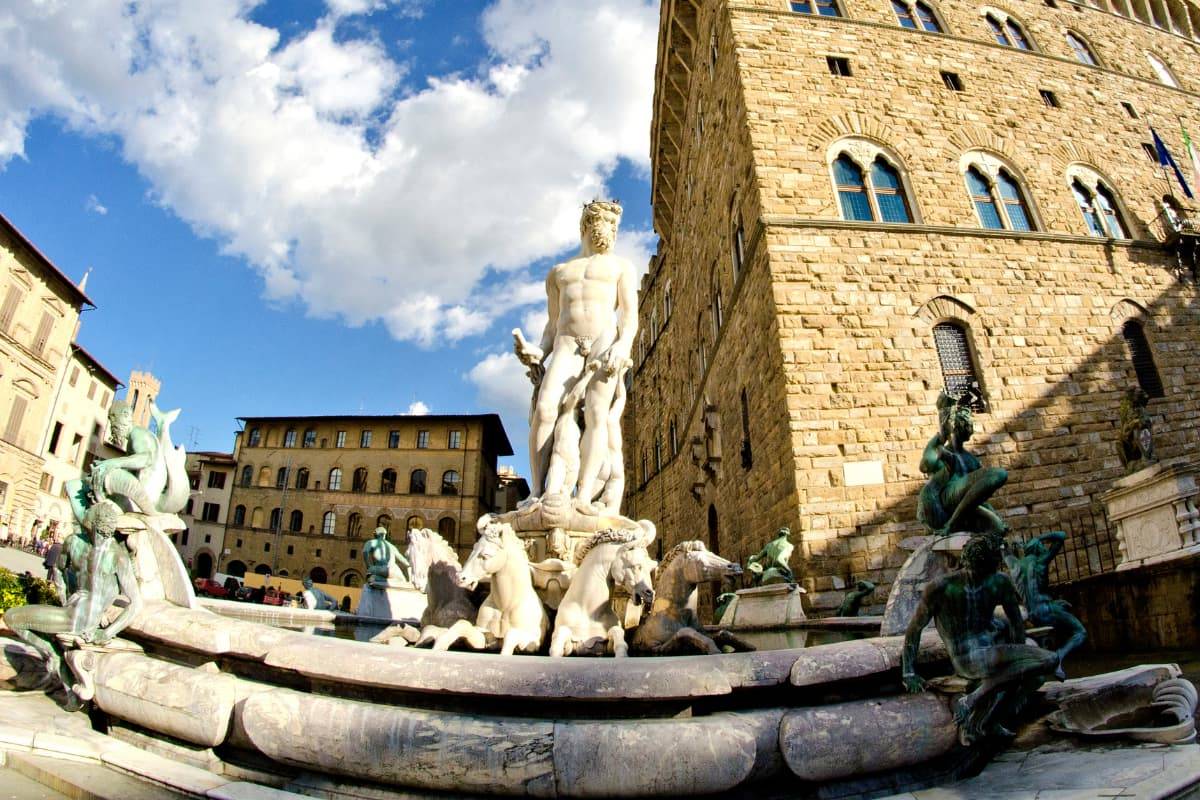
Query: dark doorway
x,y
204,565
235,568
318,575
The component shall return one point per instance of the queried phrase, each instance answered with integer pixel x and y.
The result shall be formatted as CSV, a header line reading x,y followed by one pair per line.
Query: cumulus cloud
x,y
352,194
94,205
417,407
501,383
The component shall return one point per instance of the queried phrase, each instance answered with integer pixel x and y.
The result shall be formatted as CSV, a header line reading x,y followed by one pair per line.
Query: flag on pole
x,y
1164,158
1191,153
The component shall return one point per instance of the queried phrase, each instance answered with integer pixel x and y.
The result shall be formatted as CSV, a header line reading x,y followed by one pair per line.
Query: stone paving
x,y
19,561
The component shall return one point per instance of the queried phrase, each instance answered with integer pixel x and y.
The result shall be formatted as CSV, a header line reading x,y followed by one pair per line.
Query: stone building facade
x,y
309,490
39,315
211,476
834,180
78,434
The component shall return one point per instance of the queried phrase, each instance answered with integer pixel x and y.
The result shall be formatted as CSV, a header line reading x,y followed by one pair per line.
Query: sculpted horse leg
x,y
464,630
691,639
727,639
561,643
521,639
616,641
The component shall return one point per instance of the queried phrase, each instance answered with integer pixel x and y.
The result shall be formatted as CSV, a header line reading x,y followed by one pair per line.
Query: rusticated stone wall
x,y
827,327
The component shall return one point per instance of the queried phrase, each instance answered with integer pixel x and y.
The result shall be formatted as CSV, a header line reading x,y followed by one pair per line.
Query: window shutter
x,y
15,417
12,299
43,333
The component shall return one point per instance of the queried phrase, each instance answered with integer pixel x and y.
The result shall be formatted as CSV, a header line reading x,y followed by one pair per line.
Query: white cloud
x,y
501,384
94,205
351,197
417,407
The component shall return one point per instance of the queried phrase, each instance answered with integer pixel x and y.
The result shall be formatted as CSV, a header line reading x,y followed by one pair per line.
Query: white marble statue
x,y
581,361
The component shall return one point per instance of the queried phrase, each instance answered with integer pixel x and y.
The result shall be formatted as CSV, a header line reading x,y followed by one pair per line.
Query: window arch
x,y
256,517
328,522
387,481
354,524
255,438
296,522
335,479
1083,50
302,478
450,482
359,482
870,186
281,478
264,476
310,438
918,16
1006,30
247,475
239,516
276,519
289,438
413,522
1162,71
448,528
997,194
1142,358
416,482
384,521
1097,203
959,373
737,240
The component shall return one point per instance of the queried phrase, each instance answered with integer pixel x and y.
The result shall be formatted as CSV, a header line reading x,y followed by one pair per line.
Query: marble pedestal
x,y
776,605
391,603
1155,513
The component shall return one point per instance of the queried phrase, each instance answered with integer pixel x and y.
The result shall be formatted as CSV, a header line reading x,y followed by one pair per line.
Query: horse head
x,y
701,565
632,569
420,556
489,554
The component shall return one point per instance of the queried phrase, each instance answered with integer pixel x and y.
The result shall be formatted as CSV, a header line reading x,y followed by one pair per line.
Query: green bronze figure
x,y
1136,442
770,565
955,497
1031,571
989,652
104,571
321,600
852,602
380,555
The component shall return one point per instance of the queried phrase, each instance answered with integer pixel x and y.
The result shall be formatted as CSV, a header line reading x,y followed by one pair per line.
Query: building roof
x,y
72,289
95,366
213,455
495,438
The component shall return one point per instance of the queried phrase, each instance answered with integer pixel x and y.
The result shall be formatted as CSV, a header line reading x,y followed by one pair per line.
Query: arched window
x,y
1162,71
256,517
354,524
360,480
1097,203
281,478
996,193
350,579
387,482
1007,31
448,528
873,194
255,438
954,354
264,476
916,16
927,18
824,8
667,302
328,522
1142,358
318,575
450,482
384,521
416,482
718,312
335,479
276,519
737,244
289,438
239,516
310,437
413,523
296,521
302,478
1083,51
904,15
674,437
247,475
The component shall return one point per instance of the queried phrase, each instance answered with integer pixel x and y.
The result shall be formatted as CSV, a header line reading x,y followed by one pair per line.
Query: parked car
x,y
207,586
274,597
248,594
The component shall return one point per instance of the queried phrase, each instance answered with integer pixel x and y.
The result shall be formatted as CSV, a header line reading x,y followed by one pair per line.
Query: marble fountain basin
x,y
479,723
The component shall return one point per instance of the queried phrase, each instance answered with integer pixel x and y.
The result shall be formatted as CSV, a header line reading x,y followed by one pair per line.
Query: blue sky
x,y
322,206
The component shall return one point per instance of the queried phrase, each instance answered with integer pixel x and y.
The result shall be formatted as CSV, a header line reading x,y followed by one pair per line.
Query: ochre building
x,y
309,490
862,202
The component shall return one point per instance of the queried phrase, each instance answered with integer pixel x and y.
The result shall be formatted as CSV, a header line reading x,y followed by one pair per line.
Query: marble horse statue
x,y
674,626
512,616
586,623
434,570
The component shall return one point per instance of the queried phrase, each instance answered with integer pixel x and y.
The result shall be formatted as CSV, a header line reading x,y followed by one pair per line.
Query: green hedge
x,y
19,590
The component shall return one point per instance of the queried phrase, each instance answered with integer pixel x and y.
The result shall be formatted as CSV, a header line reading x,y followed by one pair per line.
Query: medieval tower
x,y
861,203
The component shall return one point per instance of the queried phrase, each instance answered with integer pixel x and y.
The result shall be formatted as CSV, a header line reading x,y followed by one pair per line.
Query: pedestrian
x,y
51,560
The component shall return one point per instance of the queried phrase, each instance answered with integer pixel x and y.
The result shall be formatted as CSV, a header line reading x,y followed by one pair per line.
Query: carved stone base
x,y
775,606
391,603
1155,513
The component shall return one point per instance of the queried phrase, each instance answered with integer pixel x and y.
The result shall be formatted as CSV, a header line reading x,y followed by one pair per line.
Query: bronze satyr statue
x,y
770,565
1135,444
104,571
955,497
852,602
989,652
1031,572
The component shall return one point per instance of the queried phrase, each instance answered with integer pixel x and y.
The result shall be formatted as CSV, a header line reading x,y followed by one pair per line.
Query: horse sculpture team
x,y
514,618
